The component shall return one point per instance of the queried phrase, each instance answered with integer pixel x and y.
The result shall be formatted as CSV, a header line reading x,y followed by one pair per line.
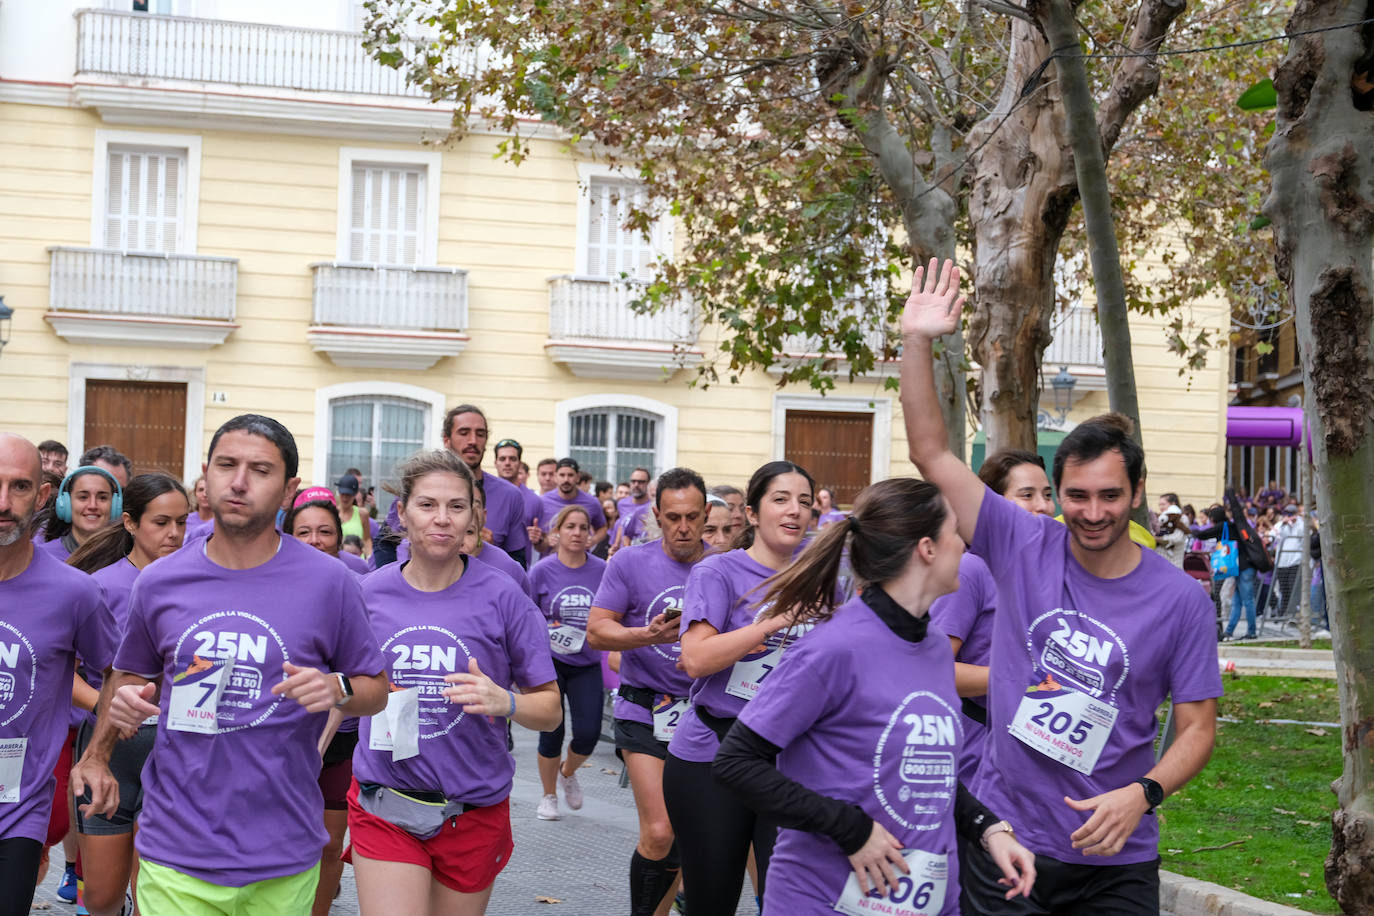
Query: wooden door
x,y
836,448
144,420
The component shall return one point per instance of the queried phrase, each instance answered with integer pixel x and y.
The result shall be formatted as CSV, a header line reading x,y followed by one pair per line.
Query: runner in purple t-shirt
x,y
1091,634
966,616
861,719
86,501
465,434
635,612
729,645
564,585
632,509
49,615
154,526
565,494
432,773
242,679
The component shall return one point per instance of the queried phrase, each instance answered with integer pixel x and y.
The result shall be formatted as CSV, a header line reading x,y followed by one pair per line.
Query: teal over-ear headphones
x,y
64,495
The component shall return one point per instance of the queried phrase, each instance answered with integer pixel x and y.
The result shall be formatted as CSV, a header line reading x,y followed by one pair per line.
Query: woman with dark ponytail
x,y
152,526
729,646
852,744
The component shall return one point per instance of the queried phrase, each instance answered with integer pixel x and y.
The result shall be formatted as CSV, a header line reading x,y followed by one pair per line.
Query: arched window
x,y
611,435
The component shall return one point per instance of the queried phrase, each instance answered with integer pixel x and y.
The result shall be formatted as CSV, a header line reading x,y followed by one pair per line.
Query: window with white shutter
x,y
612,249
387,214
144,199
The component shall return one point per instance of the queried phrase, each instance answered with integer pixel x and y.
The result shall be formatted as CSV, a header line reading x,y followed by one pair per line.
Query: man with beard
x,y
465,434
50,614
636,612
567,493
1091,633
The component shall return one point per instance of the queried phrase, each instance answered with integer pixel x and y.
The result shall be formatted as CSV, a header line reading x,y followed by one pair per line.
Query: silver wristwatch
x,y
999,827
345,689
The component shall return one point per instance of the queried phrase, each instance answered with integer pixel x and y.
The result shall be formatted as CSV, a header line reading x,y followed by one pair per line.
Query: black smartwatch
x,y
346,689
1154,793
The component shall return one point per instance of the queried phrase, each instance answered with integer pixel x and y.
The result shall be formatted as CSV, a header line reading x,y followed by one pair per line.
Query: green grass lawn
x,y
1293,644
1265,796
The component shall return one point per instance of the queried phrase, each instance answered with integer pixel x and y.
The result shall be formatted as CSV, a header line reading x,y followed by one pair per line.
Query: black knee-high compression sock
x,y
649,881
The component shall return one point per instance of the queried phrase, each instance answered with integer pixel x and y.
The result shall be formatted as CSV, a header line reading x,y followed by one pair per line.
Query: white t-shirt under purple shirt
x,y
242,805
49,615
871,719
424,637
641,582
1060,632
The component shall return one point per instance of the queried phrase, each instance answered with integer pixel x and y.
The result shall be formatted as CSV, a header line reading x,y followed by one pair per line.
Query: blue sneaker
x,y
67,889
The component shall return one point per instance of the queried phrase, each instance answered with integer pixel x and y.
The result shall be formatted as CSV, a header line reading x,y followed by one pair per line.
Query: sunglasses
x,y
510,443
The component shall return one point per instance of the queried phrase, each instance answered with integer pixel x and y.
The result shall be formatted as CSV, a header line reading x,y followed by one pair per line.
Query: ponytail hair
x,y
758,489
890,518
113,543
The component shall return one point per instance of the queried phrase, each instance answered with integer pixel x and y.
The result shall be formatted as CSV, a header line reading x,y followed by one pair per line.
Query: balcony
x,y
388,317
596,333
798,348
174,70
104,296
1077,344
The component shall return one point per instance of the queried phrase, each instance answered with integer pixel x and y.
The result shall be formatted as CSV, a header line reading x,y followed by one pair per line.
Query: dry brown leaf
x,y
1306,823
610,772
543,898
1284,811
1303,874
1319,732
1266,705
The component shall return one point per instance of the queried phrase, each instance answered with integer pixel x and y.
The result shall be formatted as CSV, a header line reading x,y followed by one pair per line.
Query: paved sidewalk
x,y
582,860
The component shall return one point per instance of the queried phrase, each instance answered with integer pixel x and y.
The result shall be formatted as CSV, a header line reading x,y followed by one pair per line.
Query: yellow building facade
x,y
203,216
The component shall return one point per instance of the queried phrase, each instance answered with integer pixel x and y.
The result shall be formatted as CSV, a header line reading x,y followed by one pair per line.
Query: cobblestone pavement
x,y
582,860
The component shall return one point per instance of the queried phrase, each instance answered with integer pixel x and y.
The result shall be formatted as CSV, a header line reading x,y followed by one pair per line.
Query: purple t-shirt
x,y
554,504
1059,631
533,505
427,635
966,615
630,525
883,734
640,583
55,548
242,805
565,596
196,528
52,614
722,592
355,563
498,559
505,513
831,517
115,581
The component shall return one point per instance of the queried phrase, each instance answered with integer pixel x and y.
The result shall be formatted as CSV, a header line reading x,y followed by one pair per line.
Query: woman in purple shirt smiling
x,y
852,744
729,646
153,525
564,585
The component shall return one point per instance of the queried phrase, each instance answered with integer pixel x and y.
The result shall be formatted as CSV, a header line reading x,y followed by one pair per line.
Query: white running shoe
x,y
548,808
572,791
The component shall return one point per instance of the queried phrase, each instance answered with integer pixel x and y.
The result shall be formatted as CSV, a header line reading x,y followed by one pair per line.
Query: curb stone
x,y
1183,896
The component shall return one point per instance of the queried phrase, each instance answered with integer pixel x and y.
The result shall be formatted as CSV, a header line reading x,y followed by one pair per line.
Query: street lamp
x,y
6,313
1063,392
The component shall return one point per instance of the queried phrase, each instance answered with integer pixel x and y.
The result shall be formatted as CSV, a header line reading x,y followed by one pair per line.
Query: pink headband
x,y
313,494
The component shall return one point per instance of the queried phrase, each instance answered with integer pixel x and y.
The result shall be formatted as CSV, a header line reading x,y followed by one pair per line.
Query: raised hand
x,y
934,307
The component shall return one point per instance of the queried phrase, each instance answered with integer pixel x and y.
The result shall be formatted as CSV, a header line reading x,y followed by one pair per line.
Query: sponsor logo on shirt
x,y
256,651
420,657
668,599
18,673
572,605
1074,650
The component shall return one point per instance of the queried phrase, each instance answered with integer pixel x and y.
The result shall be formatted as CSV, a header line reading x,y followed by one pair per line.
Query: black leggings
x,y
19,858
582,685
714,830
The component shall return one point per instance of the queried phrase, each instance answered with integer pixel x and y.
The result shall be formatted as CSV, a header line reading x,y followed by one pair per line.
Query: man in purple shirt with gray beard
x,y
635,613
1090,635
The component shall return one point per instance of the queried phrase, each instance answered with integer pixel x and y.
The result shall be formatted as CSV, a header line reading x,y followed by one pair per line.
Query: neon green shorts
x,y
164,891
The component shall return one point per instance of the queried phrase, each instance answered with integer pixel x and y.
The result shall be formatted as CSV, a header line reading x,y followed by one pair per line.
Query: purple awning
x,y
1265,426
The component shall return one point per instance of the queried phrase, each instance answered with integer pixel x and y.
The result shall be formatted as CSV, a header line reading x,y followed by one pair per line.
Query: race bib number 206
x,y
921,892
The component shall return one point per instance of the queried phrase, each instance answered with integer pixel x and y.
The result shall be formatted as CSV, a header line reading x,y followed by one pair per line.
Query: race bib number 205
x,y
1069,727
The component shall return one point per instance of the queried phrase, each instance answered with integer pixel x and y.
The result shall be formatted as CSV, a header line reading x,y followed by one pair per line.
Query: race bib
x,y
397,728
747,674
919,893
195,696
566,640
12,752
667,714
1068,727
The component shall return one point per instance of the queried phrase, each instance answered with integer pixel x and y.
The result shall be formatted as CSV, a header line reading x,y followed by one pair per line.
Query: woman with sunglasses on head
x,y
565,582
729,645
429,809
852,743
152,525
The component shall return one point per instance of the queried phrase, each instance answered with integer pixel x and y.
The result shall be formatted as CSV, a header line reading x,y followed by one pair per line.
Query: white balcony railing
x,y
127,283
146,46
1077,338
599,309
387,297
